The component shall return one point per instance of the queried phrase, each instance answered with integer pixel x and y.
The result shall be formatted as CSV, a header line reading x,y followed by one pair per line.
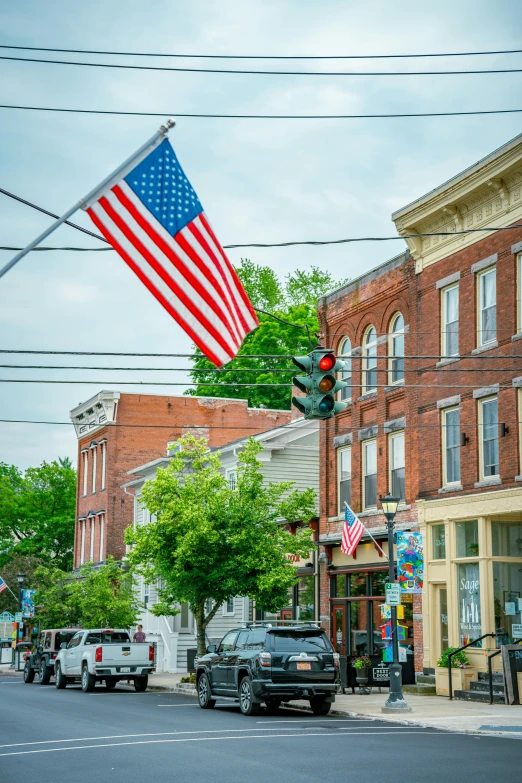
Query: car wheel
x,y
28,672
272,706
246,698
110,683
140,683
44,673
61,680
88,680
320,706
204,693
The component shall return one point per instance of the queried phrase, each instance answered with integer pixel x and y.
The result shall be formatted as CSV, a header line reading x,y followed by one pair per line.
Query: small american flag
x,y
352,531
153,218
3,585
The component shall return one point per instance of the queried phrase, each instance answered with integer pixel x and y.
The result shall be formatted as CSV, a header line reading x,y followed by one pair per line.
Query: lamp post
x,y
396,701
20,579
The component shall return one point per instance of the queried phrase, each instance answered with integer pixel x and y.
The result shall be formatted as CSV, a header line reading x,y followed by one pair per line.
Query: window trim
x,y
344,374
393,332
365,444
365,346
82,542
224,609
480,276
94,465
228,475
445,482
391,437
340,451
480,420
443,332
91,552
104,463
85,471
102,530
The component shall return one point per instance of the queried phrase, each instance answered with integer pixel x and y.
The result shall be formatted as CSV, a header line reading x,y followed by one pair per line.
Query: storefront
x,y
302,599
473,582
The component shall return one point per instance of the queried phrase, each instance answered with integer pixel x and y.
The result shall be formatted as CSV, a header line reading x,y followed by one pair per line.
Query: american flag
x,y
3,585
352,531
153,218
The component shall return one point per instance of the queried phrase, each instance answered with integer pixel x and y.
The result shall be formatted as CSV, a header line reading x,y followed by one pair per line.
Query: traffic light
x,y
319,383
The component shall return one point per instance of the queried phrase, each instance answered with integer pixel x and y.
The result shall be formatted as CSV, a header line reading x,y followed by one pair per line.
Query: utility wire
x,y
245,72
220,370
231,383
243,356
264,116
263,56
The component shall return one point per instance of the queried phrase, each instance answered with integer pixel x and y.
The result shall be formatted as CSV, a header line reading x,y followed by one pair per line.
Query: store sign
x,y
469,602
393,593
381,672
18,617
410,562
516,630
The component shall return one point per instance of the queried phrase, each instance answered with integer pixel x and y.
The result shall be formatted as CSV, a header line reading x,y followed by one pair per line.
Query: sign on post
x,y
18,617
393,593
516,630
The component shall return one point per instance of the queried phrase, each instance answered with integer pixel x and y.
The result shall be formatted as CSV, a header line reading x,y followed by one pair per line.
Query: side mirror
x,y
63,646
212,648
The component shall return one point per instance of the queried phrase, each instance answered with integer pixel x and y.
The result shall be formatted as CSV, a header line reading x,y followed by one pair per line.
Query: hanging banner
x,y
28,603
410,562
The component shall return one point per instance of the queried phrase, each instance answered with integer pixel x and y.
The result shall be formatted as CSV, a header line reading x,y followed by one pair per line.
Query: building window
x,y
91,555
370,359
345,355
146,594
209,605
82,546
487,306
369,474
229,608
94,453
396,348
438,542
451,445
506,539
184,617
85,471
507,587
470,623
104,463
396,456
519,293
102,530
232,479
488,436
345,478
450,321
467,539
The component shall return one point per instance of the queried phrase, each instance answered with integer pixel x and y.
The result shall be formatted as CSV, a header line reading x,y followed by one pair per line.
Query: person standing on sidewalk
x,y
139,636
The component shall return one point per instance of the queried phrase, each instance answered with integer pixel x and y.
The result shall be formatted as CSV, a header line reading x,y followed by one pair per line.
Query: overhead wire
x,y
220,370
232,383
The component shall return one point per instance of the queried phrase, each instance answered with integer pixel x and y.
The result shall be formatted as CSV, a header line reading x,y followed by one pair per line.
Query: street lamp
x,y
396,701
20,579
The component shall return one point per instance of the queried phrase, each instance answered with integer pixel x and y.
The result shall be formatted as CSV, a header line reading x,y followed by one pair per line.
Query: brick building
x,y
117,431
469,327
368,450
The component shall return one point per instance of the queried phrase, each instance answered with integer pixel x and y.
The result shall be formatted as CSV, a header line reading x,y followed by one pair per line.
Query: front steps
x,y
425,685
479,690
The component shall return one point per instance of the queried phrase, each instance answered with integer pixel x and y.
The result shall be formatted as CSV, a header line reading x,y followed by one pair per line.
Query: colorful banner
x,y
410,562
28,603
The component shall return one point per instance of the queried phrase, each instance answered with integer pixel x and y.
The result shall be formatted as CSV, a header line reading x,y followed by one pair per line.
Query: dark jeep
x,y
47,648
261,663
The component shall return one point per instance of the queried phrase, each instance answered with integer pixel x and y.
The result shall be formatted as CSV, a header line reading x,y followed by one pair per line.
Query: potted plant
x,y
361,664
461,672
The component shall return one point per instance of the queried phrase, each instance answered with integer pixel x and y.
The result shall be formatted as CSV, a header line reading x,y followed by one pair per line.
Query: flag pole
x,y
379,547
14,596
120,172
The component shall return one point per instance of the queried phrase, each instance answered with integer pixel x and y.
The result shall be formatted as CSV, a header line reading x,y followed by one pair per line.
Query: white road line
x,y
212,739
16,682
321,720
177,705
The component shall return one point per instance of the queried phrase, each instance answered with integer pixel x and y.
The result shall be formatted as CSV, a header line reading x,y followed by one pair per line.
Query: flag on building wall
x,y
352,531
154,220
3,585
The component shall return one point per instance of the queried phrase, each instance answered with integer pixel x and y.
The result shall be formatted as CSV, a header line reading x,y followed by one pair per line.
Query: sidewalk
x,y
433,711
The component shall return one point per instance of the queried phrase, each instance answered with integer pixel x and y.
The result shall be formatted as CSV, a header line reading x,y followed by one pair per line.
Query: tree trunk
x,y
201,628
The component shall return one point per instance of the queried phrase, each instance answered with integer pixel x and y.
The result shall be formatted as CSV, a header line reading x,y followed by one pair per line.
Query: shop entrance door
x,y
339,628
441,604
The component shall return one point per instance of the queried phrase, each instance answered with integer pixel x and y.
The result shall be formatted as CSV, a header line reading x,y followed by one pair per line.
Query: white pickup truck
x,y
104,654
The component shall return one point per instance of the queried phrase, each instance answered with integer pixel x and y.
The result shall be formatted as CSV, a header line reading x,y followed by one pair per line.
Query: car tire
x,y
110,683
88,680
320,706
28,673
205,693
140,683
44,673
61,679
247,704
272,706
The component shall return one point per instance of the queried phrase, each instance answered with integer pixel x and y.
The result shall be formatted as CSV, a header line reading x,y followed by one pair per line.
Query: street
x,y
125,737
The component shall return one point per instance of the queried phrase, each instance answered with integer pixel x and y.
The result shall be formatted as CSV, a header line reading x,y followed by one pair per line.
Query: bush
x,y
191,678
458,661
362,662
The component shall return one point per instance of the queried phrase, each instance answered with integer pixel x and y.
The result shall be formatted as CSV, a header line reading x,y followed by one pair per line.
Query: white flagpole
x,y
14,596
120,172
379,547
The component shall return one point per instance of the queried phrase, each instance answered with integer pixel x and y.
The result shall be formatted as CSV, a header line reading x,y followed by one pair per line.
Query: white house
x,y
290,453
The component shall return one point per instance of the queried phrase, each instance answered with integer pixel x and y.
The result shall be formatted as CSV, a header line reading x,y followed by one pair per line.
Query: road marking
x,y
177,705
214,739
16,682
322,720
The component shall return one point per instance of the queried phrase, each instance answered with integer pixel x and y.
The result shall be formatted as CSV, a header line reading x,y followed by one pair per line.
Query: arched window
x,y
396,348
345,355
370,359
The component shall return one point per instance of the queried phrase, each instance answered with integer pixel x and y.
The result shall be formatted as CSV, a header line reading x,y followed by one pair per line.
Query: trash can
x,y
191,658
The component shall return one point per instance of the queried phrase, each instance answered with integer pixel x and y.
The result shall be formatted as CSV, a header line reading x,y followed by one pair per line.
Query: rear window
x,y
108,637
299,642
62,637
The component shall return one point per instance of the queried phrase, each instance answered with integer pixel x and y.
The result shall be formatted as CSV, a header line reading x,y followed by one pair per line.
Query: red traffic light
x,y
327,362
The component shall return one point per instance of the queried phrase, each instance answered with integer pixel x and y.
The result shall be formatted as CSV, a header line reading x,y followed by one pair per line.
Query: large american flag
x,y
153,218
353,530
3,585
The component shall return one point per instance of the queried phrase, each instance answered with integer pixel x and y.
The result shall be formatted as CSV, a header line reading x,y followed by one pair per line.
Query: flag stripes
x,y
353,530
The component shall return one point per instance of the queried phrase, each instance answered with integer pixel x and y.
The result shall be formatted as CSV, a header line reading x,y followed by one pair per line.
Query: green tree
x,y
294,300
16,564
37,512
98,597
209,542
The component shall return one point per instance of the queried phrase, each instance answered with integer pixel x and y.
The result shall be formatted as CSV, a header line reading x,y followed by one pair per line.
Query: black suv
x,y
261,663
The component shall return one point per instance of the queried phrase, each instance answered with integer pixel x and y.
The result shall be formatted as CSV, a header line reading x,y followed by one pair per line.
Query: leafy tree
x,y
294,300
95,598
15,564
37,512
209,542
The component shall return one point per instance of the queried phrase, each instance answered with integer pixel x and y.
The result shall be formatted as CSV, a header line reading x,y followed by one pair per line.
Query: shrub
x,y
458,661
191,678
362,662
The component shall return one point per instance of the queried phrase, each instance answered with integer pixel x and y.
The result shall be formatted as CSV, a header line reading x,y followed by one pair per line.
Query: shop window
x,y
451,445
467,539
370,359
369,474
358,585
507,581
378,580
345,354
506,539
397,470
339,586
488,436
305,598
470,624
438,542
450,320
345,478
396,349
487,306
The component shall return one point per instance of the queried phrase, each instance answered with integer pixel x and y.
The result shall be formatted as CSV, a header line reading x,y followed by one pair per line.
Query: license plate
x,y
304,665
124,669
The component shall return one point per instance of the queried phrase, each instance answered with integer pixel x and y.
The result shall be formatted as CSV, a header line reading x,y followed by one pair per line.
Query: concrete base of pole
x,y
398,707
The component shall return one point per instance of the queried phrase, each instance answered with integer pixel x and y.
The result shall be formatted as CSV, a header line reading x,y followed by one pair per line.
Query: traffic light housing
x,y
320,384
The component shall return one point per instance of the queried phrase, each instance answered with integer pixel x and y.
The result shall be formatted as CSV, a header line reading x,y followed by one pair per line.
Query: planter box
x,y
460,678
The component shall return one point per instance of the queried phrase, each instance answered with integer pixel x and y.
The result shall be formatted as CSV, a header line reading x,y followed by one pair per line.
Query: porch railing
x,y
451,654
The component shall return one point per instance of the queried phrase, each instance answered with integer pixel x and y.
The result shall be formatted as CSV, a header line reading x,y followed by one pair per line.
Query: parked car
x,y
261,663
104,654
42,659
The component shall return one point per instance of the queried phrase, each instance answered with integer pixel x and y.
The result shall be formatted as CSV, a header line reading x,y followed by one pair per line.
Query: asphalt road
x,y
124,737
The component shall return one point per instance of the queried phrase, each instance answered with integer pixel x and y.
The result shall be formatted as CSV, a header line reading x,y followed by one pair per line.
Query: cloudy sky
x,y
259,180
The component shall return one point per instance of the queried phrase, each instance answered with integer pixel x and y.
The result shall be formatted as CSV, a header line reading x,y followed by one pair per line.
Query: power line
x,y
220,370
264,116
244,72
264,56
